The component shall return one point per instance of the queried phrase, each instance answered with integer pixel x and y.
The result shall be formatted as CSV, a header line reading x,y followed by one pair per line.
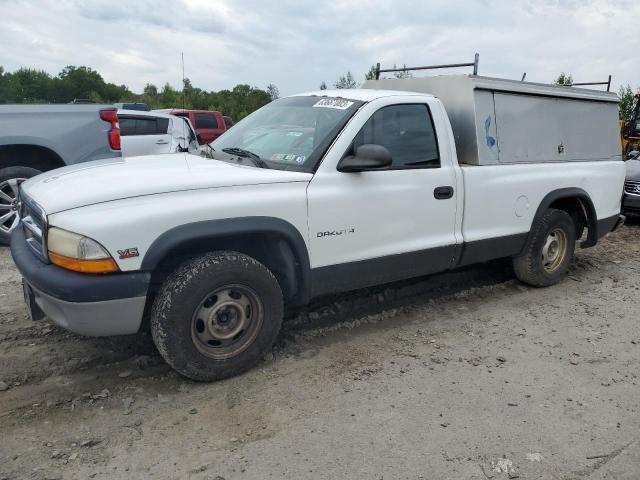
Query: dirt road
x,y
464,376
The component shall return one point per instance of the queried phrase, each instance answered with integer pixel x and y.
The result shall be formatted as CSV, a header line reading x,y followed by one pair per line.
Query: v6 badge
x,y
128,253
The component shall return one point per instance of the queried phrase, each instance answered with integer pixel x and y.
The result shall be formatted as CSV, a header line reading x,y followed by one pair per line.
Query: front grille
x,y
632,187
34,224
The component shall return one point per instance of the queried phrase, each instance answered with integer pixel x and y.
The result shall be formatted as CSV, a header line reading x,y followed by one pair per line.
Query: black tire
x,y
532,266
7,175
184,295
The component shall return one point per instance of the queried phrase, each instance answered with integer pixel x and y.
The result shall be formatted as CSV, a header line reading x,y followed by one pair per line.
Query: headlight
x,y
75,252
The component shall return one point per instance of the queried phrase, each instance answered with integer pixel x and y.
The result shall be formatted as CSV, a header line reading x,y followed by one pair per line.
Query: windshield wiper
x,y
241,152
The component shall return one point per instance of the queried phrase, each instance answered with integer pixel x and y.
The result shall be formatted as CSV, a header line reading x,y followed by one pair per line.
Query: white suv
x,y
148,133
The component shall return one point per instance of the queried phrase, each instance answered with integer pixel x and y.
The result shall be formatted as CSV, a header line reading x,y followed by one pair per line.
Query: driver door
x,y
372,227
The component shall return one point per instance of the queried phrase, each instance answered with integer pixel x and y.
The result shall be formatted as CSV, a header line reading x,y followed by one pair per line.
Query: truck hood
x,y
113,179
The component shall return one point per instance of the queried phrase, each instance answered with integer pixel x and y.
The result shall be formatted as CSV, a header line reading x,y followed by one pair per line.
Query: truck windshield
x,y
289,134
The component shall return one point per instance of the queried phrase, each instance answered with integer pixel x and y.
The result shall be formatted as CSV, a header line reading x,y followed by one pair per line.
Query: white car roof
x,y
361,94
140,113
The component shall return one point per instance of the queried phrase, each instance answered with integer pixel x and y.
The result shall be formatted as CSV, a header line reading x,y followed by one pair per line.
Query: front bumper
x,y
92,305
631,204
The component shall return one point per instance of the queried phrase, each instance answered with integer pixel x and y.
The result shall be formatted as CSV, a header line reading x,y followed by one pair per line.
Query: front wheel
x,y
549,250
217,315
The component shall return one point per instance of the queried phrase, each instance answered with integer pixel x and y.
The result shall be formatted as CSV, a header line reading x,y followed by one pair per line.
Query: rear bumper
x,y
93,305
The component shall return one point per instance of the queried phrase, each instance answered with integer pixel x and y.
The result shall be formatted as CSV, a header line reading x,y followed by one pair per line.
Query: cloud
x,y
298,44
173,15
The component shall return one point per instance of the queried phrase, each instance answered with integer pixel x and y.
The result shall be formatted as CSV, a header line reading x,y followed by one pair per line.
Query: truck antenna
x,y
183,92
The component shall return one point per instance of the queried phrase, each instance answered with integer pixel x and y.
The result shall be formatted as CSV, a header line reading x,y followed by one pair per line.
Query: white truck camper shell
x,y
497,121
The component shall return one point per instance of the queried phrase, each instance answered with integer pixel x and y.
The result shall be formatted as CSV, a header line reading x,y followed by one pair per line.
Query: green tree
x,y
346,81
80,82
371,74
150,95
402,73
564,79
627,98
273,91
169,97
30,85
4,85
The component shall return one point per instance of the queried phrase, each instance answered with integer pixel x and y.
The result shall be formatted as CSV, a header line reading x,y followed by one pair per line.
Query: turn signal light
x,y
106,265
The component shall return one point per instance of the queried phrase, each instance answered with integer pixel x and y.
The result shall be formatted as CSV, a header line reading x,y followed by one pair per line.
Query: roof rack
x,y
473,64
607,83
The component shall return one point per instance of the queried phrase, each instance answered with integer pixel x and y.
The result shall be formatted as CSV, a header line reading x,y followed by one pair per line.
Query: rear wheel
x,y
549,250
217,315
10,180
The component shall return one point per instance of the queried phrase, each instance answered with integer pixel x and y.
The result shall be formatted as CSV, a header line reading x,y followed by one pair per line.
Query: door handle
x,y
442,193
162,142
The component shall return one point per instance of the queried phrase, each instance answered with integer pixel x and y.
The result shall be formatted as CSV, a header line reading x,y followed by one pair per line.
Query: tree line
x,y
28,85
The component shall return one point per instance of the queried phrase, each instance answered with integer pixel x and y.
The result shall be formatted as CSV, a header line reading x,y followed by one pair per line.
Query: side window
x,y
143,126
146,126
206,120
407,132
162,126
127,126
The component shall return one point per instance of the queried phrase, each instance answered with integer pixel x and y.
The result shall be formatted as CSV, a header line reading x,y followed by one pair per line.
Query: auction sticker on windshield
x,y
288,158
339,103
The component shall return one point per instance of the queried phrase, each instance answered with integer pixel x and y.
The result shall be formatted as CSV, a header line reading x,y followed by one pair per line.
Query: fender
x,y
589,210
211,229
41,144
29,140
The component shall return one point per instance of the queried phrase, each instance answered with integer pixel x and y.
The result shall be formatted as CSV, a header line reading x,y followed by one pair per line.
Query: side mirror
x,y
368,157
198,137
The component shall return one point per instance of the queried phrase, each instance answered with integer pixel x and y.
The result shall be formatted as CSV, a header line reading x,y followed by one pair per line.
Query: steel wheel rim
x,y
9,204
227,321
554,250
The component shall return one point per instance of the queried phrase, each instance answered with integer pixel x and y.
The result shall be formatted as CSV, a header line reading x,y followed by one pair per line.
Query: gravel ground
x,y
467,375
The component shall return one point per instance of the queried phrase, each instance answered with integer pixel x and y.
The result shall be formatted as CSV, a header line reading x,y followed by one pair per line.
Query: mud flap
x,y
35,313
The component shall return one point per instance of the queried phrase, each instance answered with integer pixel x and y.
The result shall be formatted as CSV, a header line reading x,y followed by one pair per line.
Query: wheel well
x,y
33,156
270,249
576,209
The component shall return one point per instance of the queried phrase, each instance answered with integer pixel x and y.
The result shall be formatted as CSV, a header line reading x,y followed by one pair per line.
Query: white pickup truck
x,y
317,193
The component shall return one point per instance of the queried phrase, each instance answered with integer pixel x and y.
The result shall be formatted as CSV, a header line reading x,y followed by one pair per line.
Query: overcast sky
x,y
296,44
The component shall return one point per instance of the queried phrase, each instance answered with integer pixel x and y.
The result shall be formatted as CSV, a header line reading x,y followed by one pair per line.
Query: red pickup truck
x,y
208,125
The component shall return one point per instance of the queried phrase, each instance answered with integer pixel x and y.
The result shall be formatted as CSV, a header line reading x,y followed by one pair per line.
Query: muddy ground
x,y
469,375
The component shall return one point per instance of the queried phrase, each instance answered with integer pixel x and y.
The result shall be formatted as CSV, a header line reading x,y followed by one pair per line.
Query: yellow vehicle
x,y
630,132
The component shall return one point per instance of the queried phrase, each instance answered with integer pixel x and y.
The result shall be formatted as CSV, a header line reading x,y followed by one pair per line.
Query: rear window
x,y
143,125
206,120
